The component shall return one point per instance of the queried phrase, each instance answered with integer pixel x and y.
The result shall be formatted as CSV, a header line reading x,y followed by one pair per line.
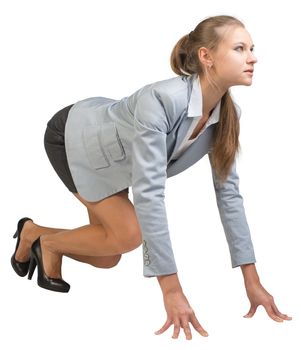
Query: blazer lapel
x,y
201,146
194,109
192,154
181,132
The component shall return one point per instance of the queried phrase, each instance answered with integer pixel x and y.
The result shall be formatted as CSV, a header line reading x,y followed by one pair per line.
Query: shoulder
x,y
165,100
167,90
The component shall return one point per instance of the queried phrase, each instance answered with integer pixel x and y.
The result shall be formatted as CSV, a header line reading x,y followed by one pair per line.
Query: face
x,y
233,58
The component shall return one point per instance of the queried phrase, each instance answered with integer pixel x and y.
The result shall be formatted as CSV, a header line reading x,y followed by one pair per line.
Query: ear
x,y
204,56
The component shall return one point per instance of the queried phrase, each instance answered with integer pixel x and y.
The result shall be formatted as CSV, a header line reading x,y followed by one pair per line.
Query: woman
x,y
99,147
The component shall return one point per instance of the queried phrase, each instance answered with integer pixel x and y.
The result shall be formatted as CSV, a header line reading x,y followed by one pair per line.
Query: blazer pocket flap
x,y
111,141
94,151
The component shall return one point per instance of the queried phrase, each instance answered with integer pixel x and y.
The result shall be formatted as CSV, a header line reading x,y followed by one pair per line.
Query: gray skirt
x,y
54,143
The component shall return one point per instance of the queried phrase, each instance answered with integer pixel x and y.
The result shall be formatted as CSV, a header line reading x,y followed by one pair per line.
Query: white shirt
x,y
214,118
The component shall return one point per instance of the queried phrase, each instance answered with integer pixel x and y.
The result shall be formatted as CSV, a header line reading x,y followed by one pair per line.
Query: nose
x,y
252,58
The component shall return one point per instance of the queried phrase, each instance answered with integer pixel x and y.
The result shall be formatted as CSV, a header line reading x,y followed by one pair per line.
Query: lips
x,y
250,70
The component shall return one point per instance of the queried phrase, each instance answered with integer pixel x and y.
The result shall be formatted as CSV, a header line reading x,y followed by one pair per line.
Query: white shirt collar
x,y
195,107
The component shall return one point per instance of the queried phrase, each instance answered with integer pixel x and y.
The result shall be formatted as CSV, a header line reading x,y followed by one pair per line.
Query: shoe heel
x,y
16,234
32,266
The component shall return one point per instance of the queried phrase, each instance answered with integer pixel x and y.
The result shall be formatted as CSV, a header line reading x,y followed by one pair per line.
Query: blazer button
x,y
146,258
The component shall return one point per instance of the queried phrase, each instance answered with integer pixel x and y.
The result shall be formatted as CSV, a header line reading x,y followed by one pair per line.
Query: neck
x,y
211,96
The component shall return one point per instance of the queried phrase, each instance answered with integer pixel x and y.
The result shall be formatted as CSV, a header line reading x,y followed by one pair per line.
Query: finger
x,y
196,324
279,314
176,330
251,311
187,330
167,324
272,313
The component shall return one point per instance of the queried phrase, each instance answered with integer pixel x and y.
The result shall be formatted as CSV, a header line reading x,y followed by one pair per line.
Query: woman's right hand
x,y
180,314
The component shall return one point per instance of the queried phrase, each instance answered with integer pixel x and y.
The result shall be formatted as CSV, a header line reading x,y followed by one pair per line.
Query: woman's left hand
x,y
259,296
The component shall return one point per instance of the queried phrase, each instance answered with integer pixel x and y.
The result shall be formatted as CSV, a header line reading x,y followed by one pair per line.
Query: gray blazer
x,y
114,144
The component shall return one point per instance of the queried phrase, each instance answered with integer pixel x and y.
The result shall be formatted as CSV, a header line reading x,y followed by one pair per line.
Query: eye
x,y
241,47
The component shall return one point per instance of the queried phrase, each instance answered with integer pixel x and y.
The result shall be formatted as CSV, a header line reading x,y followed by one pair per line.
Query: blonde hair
x,y
184,60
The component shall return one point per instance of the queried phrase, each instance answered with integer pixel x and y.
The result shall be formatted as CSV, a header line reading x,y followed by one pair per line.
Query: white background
x,y
54,53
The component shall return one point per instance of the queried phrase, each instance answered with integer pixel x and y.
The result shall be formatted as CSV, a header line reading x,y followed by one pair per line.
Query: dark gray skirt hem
x,y
54,143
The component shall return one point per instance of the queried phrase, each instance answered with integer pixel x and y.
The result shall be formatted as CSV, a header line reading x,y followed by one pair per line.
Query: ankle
x,y
51,260
27,232
46,242
34,232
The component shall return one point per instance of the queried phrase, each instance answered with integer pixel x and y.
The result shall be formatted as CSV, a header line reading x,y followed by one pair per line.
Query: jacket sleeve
x,y
149,164
233,217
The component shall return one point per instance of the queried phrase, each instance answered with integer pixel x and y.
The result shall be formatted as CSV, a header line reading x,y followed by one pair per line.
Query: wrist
x,y
250,274
169,283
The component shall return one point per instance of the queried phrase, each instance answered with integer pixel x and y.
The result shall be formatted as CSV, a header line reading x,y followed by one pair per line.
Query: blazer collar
x,y
195,106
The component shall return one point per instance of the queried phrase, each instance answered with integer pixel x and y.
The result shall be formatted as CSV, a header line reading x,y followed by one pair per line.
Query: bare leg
x,y
97,261
31,231
89,240
114,230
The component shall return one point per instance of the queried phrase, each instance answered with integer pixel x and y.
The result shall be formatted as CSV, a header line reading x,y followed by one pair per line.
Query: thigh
x,y
116,213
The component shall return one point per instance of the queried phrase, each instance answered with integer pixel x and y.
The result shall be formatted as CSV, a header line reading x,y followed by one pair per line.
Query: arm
x,y
232,213
149,176
233,217
250,274
149,162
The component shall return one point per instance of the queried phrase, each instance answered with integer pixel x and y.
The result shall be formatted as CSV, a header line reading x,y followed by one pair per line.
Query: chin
x,y
245,83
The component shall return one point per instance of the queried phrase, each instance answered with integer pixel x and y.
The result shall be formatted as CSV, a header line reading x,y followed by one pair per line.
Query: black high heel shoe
x,y
54,284
21,268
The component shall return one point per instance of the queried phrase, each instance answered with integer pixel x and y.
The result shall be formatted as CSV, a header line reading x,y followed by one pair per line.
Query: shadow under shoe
x,y
21,268
54,284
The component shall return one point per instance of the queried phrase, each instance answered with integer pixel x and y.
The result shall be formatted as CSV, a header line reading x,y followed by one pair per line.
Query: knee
x,y
114,261
132,239
107,262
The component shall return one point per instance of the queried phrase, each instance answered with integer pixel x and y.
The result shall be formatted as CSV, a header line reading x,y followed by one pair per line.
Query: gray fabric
x,y
114,144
